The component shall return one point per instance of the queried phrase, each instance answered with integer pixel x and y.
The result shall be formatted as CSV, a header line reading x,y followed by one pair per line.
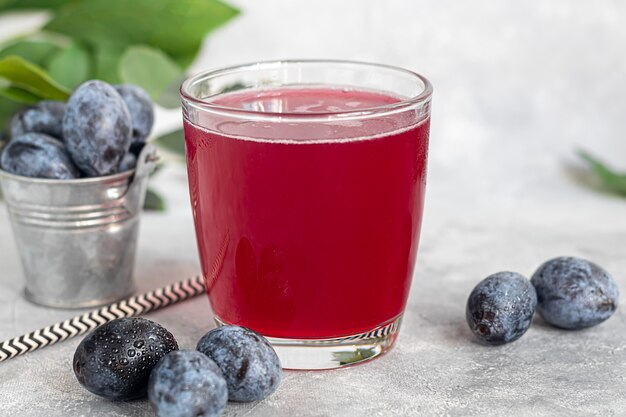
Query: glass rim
x,y
423,97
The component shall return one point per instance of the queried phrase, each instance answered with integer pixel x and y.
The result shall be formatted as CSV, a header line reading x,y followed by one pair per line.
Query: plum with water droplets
x,y
115,360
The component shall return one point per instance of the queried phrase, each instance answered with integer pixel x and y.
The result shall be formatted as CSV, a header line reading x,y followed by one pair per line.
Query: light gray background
x,y
518,87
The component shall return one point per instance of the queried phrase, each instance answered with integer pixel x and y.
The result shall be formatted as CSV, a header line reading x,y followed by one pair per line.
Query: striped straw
x,y
133,306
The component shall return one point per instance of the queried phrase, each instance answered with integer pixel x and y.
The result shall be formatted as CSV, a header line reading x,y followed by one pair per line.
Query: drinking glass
x,y
307,184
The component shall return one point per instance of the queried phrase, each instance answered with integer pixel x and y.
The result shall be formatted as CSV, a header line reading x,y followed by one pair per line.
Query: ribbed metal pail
x,y
77,238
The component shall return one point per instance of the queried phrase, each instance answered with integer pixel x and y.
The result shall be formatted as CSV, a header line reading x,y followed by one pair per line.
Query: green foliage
x,y
610,179
17,94
145,42
31,4
70,66
20,74
37,52
347,358
177,27
107,60
233,87
7,108
149,43
150,68
153,201
173,142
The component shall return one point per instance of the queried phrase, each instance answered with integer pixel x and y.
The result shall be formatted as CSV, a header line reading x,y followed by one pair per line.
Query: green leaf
x,y
148,68
27,76
31,4
612,180
154,201
7,109
233,87
347,358
177,27
38,52
170,97
173,142
18,95
71,66
107,61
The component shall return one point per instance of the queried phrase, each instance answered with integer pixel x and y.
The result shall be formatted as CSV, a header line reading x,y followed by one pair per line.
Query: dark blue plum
x,y
39,156
247,360
501,307
97,128
574,293
141,110
136,148
128,162
186,383
115,360
44,117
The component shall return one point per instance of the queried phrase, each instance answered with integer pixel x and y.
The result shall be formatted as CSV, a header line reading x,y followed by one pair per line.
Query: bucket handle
x,y
146,162
138,183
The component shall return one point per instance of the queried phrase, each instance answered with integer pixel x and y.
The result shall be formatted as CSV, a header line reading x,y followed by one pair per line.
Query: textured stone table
x,y
518,86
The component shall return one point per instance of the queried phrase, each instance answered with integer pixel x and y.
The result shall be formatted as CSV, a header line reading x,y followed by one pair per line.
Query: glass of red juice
x,y
307,186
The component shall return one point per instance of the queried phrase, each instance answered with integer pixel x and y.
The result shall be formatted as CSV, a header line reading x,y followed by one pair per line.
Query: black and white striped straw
x,y
133,306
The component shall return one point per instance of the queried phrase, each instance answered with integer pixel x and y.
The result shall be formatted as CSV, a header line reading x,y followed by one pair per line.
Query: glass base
x,y
316,354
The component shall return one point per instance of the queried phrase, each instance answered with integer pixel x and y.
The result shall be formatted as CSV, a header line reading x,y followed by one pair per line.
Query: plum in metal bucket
x,y
77,238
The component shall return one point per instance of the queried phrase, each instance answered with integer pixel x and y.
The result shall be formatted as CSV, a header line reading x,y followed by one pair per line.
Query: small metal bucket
x,y
77,238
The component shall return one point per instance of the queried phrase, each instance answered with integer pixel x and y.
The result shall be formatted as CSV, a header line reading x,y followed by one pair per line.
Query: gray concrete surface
x,y
518,86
